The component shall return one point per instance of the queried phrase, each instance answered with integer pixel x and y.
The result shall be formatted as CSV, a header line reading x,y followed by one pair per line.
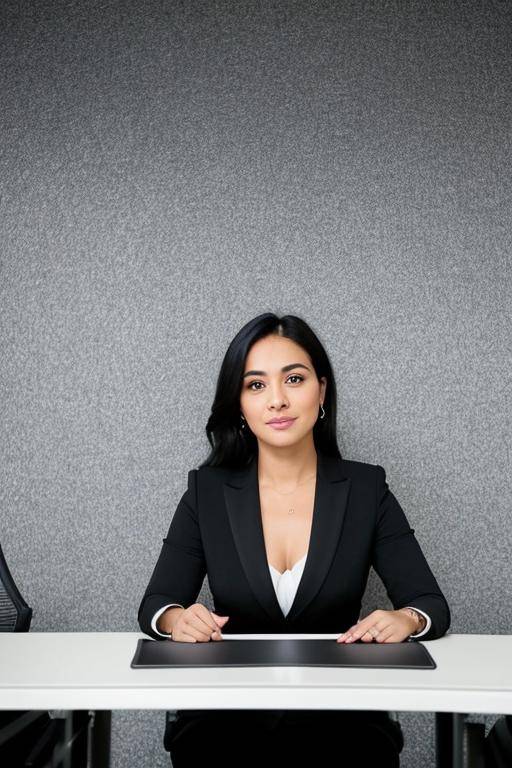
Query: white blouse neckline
x,y
287,582
289,570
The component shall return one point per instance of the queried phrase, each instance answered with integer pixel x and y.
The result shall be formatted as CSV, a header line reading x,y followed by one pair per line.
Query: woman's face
x,y
273,393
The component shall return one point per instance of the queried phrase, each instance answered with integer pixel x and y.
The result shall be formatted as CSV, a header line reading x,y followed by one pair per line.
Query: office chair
x,y
33,739
498,744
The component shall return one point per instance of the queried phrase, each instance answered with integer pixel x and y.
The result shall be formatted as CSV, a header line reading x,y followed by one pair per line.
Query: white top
x,y
285,585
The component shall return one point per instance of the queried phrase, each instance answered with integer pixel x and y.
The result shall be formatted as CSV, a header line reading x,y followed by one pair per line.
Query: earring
x,y
323,412
243,425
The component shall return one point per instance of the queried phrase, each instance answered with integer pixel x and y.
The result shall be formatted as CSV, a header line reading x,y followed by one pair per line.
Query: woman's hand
x,y
196,624
381,627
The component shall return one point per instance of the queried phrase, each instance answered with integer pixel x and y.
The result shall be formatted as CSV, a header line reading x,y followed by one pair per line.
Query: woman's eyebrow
x,y
284,369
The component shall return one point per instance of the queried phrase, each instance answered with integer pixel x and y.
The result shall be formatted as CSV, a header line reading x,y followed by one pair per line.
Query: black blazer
x,y
357,523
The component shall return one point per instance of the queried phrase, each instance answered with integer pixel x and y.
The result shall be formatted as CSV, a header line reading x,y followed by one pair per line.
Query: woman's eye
x,y
293,376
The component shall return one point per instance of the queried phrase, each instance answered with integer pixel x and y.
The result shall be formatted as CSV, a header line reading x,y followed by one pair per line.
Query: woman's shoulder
x,y
205,469
205,472
360,469
359,466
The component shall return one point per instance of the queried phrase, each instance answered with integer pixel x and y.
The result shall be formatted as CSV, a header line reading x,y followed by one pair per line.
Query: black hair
x,y
234,447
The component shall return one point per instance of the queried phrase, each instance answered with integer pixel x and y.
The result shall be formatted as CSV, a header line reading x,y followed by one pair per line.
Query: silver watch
x,y
418,615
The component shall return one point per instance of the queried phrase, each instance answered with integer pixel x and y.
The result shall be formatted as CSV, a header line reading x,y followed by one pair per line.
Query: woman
x,y
286,531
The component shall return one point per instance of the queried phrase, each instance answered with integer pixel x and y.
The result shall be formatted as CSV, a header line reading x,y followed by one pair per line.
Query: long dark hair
x,y
234,447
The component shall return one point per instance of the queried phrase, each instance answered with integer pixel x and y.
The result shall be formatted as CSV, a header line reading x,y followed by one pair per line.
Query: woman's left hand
x,y
381,627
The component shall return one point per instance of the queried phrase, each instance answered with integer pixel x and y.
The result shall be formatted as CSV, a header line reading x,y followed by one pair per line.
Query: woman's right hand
x,y
196,624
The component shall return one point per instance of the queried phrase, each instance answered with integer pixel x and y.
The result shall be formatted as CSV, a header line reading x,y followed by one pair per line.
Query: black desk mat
x,y
281,653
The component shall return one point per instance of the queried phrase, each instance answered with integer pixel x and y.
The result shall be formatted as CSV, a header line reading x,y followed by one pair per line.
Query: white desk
x,y
91,671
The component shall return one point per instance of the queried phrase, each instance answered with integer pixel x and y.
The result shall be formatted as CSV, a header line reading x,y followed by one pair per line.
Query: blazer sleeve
x,y
181,566
400,563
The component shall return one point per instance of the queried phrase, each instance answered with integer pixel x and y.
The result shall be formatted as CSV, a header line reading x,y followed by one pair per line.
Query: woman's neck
x,y
286,468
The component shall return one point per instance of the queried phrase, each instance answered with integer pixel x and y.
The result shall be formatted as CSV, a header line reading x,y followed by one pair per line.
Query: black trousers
x,y
273,738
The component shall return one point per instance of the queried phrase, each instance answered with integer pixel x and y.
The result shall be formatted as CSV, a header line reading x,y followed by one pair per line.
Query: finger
x,y
358,632
368,630
212,633
218,627
381,631
197,628
216,632
204,622
363,625
346,634
183,637
388,632
376,618
208,618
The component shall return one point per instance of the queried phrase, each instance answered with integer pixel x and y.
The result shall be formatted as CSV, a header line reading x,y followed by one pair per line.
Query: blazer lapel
x,y
241,494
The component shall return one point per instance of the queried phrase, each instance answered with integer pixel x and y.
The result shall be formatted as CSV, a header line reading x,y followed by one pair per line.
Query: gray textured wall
x,y
171,169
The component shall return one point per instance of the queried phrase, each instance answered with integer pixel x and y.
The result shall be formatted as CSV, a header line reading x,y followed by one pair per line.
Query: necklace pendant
x,y
291,511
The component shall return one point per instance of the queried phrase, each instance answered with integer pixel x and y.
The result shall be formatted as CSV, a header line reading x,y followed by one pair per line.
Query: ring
x,y
374,632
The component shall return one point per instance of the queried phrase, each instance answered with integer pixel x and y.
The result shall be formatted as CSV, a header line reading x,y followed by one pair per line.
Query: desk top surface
x,y
91,670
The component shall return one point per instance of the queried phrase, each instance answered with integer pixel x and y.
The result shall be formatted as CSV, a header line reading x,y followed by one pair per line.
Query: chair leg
x,y
99,741
449,740
475,741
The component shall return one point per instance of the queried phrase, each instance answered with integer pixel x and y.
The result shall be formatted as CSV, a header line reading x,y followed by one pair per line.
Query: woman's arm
x,y
161,622
399,561
181,566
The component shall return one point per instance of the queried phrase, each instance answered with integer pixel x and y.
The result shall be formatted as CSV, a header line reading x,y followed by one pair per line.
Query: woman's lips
x,y
282,424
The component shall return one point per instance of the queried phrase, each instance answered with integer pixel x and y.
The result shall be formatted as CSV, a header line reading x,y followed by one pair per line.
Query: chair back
x,y
36,738
498,744
15,614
